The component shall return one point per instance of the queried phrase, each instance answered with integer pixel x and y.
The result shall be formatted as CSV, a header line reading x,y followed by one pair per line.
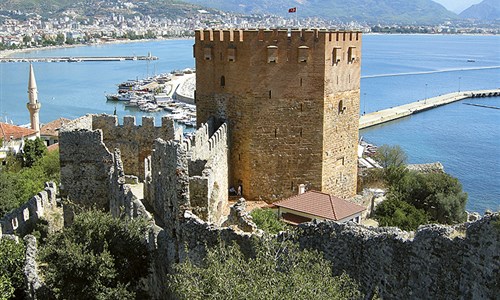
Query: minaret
x,y
33,104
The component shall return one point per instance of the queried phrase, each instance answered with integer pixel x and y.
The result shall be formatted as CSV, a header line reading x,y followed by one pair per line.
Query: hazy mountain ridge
x,y
373,11
486,10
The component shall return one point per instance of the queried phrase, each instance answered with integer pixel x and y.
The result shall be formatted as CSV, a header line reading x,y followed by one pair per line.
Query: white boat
x,y
112,97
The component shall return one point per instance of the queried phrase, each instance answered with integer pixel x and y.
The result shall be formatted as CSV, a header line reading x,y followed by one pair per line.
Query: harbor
x,y
78,58
394,113
171,92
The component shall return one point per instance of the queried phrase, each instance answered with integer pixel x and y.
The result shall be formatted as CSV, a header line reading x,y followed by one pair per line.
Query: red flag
x,y
292,10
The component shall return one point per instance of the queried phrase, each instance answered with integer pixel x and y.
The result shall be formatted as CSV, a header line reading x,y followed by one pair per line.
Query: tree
x,y
11,268
438,194
394,212
60,39
391,156
393,160
33,150
278,271
268,220
18,186
98,257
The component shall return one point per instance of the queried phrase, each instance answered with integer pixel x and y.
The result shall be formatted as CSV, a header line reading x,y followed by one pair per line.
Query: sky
x,y
457,6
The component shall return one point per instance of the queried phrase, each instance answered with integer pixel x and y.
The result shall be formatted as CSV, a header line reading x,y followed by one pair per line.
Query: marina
x,y
158,93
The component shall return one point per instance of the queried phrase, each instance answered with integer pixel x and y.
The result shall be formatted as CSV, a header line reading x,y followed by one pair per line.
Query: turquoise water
x,y
396,69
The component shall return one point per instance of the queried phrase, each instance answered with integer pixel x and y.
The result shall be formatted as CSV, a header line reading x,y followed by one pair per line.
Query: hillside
x,y
373,11
486,10
89,8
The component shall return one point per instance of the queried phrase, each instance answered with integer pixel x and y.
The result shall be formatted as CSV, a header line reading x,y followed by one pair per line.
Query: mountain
x,y
486,10
89,8
372,11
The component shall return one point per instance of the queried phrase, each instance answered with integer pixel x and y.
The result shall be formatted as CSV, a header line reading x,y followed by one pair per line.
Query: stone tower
x,y
291,101
33,105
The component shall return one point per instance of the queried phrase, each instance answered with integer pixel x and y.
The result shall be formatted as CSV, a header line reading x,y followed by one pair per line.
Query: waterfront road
x,y
393,113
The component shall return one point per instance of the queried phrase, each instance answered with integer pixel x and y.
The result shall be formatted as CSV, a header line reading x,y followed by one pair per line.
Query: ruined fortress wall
x,y
431,265
135,142
435,263
86,164
270,88
23,219
208,171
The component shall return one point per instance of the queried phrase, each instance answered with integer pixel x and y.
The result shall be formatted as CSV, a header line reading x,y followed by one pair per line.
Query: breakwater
x,y
394,113
78,58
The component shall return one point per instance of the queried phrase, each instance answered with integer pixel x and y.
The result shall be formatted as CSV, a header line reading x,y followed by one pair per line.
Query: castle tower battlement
x,y
291,103
134,141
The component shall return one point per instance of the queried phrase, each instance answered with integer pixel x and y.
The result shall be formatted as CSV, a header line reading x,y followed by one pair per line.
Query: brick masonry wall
x,y
279,121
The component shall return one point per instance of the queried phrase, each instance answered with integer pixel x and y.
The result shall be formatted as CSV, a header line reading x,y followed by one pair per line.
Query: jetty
x,y
394,113
77,58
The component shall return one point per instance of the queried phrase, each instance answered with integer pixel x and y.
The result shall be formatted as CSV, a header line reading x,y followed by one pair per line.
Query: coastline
x,y
10,53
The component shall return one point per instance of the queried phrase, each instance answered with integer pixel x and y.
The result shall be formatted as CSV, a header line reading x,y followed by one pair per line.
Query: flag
x,y
292,10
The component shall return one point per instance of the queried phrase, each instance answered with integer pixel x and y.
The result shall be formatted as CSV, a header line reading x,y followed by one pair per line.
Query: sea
x,y
396,69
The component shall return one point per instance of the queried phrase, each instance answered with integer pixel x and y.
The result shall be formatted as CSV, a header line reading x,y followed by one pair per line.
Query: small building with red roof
x,y
50,131
12,138
314,205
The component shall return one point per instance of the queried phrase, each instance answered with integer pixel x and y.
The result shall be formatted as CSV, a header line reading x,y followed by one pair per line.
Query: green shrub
x,y
393,212
98,257
267,220
11,268
279,271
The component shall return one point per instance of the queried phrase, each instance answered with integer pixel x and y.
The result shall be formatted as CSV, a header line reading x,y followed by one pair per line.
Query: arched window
x,y
341,107
272,54
222,81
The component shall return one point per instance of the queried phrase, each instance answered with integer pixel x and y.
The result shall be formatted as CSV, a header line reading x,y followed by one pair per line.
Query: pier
x,y
77,58
394,113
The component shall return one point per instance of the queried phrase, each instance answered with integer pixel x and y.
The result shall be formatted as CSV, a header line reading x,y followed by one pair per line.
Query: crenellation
x,y
104,121
128,121
148,122
22,220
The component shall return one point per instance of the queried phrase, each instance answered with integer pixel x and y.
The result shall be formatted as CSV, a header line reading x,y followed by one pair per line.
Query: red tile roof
x,y
52,128
53,147
7,131
321,204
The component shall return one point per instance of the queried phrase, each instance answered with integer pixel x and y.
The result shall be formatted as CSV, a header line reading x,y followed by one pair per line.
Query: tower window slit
x,y
270,94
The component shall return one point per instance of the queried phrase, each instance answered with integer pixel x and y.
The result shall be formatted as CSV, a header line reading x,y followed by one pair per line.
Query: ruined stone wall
x,y
135,142
208,171
271,89
22,220
86,164
437,263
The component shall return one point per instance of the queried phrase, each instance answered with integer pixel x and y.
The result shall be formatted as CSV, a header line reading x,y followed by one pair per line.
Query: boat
x,y
149,107
112,97
471,60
